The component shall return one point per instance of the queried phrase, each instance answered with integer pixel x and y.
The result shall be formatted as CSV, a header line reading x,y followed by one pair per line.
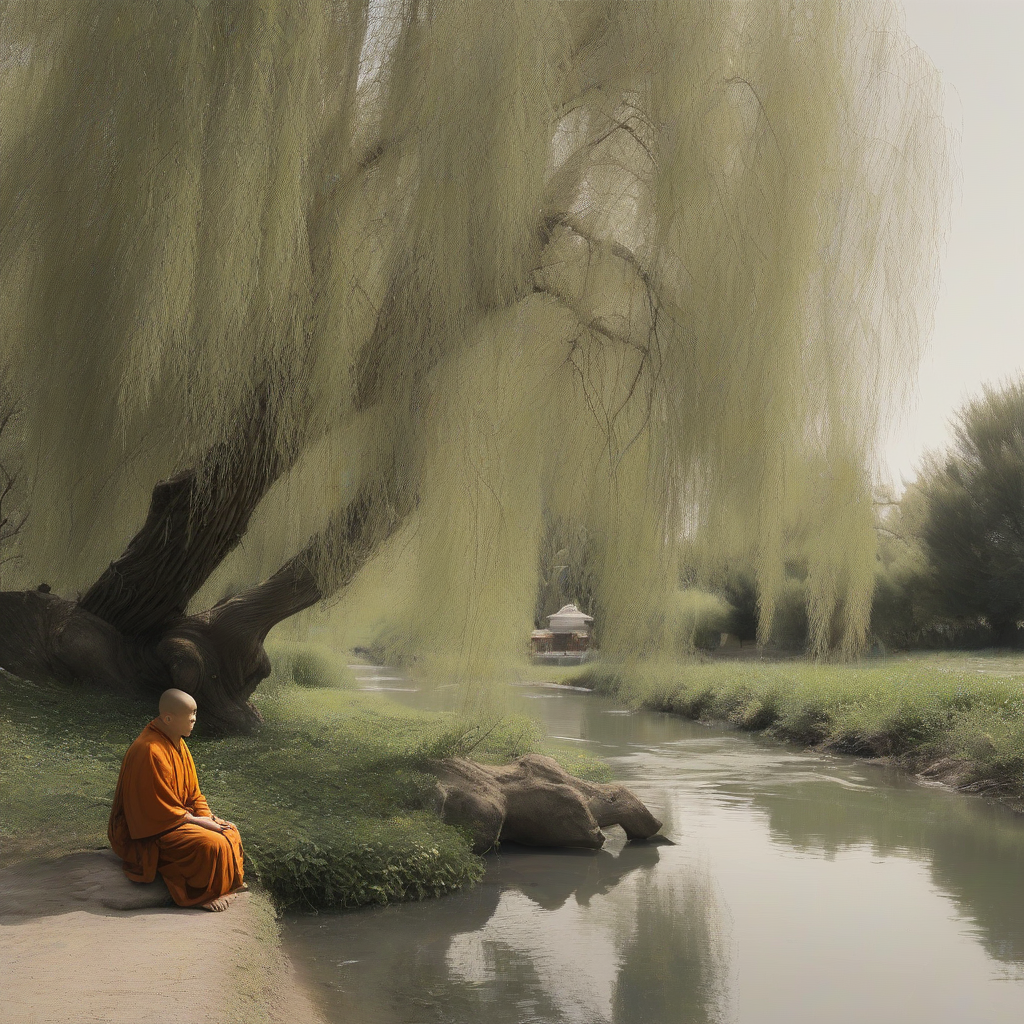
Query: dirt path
x,y
80,943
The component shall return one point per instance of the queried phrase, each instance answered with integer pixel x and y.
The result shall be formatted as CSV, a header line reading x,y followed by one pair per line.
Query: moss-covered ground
x,y
332,796
957,717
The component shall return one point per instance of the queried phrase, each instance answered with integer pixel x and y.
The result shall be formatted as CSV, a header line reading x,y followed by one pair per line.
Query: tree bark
x,y
218,655
195,520
129,633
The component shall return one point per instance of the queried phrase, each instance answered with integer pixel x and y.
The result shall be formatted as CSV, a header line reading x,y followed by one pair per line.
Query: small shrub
x,y
698,619
312,666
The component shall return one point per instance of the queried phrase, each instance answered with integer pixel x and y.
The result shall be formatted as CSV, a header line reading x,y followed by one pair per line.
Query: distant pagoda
x,y
566,640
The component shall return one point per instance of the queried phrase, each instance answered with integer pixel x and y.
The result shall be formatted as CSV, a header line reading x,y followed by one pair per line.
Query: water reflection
x,y
578,937
551,877
675,966
801,887
822,806
974,850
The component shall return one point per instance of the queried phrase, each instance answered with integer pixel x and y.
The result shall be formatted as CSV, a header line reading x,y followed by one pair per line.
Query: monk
x,y
160,820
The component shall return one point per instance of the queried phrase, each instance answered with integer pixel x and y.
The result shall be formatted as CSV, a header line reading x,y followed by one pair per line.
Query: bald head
x,y
177,714
175,701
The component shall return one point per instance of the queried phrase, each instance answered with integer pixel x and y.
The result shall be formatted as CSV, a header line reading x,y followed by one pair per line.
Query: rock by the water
x,y
534,801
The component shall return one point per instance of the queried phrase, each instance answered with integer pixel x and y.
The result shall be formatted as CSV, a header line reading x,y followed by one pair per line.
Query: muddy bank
x,y
79,942
964,776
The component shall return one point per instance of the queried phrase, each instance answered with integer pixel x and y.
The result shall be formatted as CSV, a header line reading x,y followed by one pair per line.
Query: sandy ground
x,y
80,943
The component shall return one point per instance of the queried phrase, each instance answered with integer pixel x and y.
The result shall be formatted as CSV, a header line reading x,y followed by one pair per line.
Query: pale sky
x,y
979,322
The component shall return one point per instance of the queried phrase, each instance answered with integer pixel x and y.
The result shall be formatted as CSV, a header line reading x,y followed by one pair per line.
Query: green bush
x,y
363,863
908,609
728,603
309,665
698,619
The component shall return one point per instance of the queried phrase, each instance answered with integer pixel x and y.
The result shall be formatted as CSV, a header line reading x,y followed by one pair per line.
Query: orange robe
x,y
156,788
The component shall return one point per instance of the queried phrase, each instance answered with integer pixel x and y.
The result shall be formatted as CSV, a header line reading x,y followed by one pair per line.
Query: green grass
x,y
333,796
962,714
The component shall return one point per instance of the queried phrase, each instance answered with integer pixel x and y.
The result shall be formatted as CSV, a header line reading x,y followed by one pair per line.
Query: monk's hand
x,y
211,823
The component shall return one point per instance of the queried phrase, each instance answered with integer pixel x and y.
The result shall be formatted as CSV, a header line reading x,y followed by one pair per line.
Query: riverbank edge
x,y
267,985
958,774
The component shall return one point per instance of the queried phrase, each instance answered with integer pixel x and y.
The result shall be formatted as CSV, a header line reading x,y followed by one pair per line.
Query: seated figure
x,y
160,821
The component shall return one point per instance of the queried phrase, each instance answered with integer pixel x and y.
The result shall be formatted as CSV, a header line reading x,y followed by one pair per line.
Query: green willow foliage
x,y
651,268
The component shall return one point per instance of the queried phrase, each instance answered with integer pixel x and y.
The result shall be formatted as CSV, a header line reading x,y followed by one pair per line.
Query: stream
x,y
801,887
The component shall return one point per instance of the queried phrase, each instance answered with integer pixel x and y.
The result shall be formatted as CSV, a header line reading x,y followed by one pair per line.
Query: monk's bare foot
x,y
220,903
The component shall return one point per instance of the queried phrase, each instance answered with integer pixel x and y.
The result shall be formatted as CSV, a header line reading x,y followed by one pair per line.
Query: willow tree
x,y
442,267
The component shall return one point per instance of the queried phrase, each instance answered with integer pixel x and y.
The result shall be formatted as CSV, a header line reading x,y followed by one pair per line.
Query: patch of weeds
x,y
759,713
579,763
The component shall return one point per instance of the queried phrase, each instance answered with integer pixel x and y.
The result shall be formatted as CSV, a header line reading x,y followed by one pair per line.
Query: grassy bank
x,y
332,797
958,718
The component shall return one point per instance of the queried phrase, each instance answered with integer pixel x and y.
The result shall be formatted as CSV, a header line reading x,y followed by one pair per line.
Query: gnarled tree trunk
x,y
130,632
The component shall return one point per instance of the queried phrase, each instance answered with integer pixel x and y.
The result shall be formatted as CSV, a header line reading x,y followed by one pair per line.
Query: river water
x,y
801,888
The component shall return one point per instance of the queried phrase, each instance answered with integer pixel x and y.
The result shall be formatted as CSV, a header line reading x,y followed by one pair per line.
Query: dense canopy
x,y
958,533
653,269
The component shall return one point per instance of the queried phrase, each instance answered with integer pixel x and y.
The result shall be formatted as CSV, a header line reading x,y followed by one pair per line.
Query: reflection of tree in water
x,y
675,967
515,992
381,964
975,850
392,964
